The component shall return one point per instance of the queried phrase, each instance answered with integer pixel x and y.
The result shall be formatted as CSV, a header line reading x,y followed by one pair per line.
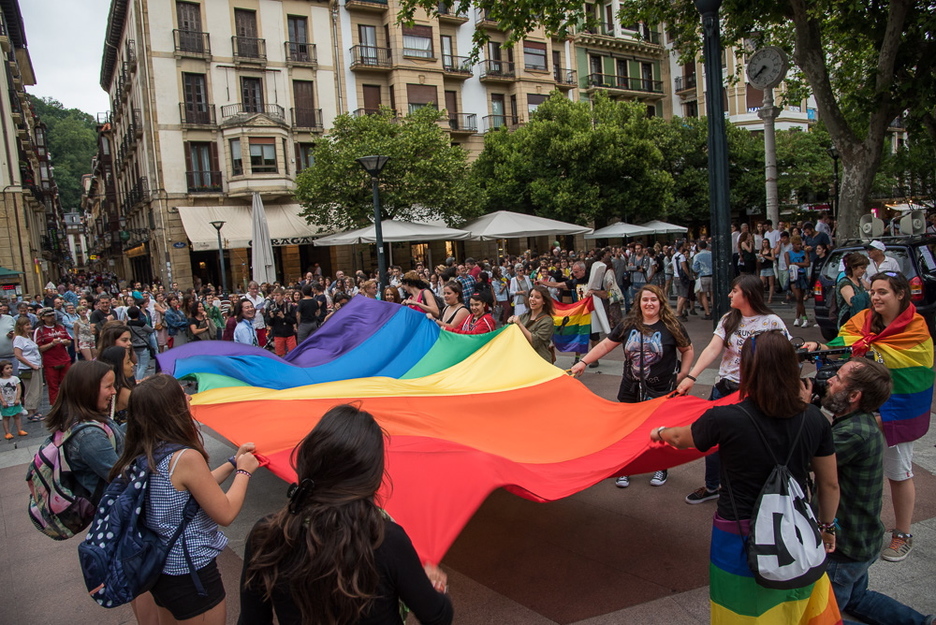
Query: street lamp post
x,y
217,226
833,152
373,165
717,157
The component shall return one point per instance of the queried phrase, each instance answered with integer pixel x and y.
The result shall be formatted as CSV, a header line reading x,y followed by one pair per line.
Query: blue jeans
x,y
143,360
712,461
850,584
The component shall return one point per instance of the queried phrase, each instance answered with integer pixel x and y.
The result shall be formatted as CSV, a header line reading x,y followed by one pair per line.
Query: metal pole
x,y
378,233
221,261
768,113
718,158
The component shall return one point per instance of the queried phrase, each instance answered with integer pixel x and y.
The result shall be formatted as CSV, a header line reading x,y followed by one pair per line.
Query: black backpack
x,y
784,547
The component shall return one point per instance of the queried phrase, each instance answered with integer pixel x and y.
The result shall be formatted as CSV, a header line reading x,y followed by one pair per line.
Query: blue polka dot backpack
x,y
120,557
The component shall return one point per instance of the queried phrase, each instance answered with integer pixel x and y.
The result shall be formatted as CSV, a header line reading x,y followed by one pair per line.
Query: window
x,y
448,62
304,98
534,100
368,38
417,41
646,72
201,161
252,95
189,17
237,161
691,109
534,55
298,45
245,27
498,118
594,66
195,92
755,98
263,155
621,67
420,96
304,156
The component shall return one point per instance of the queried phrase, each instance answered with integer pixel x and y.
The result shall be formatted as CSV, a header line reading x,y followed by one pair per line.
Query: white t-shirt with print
x,y
731,358
8,388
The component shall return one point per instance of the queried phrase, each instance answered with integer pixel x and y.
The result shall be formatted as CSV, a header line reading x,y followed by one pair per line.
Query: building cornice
x,y
116,20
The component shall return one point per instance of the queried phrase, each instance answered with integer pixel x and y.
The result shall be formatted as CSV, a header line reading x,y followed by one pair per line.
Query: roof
x,y
13,20
116,20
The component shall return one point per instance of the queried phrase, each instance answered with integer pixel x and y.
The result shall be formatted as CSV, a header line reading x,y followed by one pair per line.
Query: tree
x,y
865,62
582,162
804,166
71,137
425,179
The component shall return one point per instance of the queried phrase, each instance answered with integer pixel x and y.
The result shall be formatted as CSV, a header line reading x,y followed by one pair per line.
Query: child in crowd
x,y
10,404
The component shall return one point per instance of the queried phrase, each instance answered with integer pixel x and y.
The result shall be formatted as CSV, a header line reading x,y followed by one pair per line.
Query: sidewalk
x,y
602,556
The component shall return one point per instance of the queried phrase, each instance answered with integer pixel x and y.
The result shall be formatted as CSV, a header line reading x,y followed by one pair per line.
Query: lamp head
x,y
373,164
706,7
833,152
218,225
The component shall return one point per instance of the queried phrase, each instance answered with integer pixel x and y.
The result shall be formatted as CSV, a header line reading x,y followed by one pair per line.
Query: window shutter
x,y
213,149
188,156
535,45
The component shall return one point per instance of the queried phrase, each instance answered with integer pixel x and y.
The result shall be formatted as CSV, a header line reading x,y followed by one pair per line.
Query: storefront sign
x,y
179,245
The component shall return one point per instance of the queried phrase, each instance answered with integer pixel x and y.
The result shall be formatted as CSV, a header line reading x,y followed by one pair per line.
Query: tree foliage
x,y
72,141
426,177
577,161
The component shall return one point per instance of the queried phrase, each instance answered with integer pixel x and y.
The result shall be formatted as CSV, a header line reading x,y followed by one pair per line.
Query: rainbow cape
x,y
736,597
573,325
906,348
465,414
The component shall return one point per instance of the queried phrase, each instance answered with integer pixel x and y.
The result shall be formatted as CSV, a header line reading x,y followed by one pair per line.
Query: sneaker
x,y
701,495
622,481
796,322
593,365
692,311
899,548
659,478
805,323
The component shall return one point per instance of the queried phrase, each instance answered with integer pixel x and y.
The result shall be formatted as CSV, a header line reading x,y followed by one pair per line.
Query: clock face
x,y
767,68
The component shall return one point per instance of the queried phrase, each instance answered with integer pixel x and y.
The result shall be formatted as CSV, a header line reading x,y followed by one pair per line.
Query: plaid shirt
x,y
468,285
859,453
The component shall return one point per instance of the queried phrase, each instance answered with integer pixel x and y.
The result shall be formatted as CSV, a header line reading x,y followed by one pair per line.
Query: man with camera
x,y
281,319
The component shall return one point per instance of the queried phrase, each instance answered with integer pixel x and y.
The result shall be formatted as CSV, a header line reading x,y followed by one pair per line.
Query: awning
x,y
286,226
393,231
9,273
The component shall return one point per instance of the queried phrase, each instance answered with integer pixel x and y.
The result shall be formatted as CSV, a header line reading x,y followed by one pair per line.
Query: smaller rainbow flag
x,y
573,325
736,597
906,348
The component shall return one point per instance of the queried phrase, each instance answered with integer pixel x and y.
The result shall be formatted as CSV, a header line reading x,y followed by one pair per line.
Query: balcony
x,y
379,6
494,122
685,83
197,115
624,83
130,55
498,71
248,49
307,118
203,181
138,193
463,123
565,78
370,58
485,21
604,29
299,53
456,66
246,108
137,123
192,43
361,112
447,14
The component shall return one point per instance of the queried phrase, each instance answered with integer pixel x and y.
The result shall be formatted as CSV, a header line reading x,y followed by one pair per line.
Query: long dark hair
x,y
898,283
548,307
78,396
110,332
753,290
634,318
158,413
115,356
770,374
321,544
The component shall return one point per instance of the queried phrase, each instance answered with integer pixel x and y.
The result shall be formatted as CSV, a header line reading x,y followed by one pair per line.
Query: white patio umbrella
x,y
261,251
510,225
620,229
661,227
395,231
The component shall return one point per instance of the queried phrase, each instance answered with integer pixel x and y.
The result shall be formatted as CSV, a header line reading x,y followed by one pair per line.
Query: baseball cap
x,y
878,245
46,311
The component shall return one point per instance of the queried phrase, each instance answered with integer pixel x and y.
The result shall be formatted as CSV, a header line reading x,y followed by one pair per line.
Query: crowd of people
x,y
331,534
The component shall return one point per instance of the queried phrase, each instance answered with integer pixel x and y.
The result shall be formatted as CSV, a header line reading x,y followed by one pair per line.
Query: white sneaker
x,y
622,481
806,323
796,322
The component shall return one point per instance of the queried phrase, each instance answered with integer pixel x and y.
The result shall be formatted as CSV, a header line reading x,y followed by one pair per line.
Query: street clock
x,y
767,68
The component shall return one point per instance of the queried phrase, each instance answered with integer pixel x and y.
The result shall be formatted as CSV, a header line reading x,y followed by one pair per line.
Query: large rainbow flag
x,y
465,414
906,348
736,597
573,325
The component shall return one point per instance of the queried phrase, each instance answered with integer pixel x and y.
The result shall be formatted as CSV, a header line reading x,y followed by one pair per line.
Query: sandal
x,y
23,433
35,417
8,436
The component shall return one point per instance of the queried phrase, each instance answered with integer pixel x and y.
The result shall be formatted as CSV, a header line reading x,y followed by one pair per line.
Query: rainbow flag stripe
x,y
737,599
573,325
471,414
909,356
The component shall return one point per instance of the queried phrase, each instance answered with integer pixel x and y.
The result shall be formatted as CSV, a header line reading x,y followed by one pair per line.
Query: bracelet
x,y
243,472
233,461
692,377
660,431
828,528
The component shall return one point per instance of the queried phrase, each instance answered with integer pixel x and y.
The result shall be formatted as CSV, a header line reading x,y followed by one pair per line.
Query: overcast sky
x,y
66,38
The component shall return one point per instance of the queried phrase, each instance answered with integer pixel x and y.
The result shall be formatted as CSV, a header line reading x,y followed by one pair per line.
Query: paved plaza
x,y
605,555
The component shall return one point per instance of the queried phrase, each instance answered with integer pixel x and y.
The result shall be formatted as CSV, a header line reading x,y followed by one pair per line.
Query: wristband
x,y
243,472
233,461
692,377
